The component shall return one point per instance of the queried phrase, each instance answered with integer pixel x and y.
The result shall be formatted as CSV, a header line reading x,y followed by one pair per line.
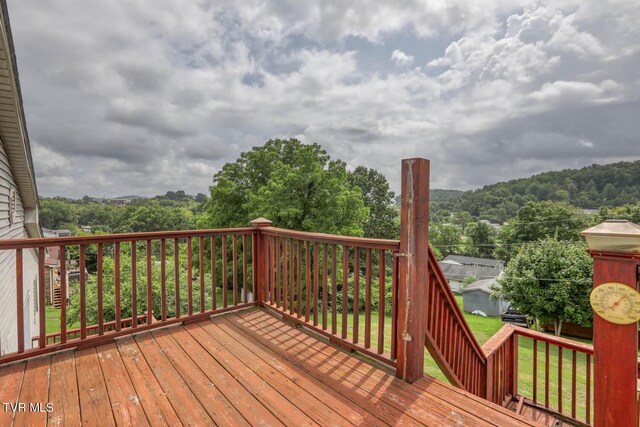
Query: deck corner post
x,y
413,270
615,248
261,263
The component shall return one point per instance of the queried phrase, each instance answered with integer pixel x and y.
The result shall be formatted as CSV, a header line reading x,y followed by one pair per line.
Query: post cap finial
x,y
261,222
613,235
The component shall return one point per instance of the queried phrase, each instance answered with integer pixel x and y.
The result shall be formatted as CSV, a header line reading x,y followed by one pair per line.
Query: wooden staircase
x,y
56,298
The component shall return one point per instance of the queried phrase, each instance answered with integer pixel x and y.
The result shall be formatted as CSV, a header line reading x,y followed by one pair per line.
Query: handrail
x,y
335,239
118,237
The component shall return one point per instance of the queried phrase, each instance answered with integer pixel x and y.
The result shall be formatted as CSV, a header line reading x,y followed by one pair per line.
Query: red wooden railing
x,y
449,339
561,369
214,262
328,284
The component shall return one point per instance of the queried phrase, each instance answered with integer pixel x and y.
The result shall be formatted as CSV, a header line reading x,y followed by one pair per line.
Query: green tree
x,y
57,213
297,186
383,219
551,282
445,238
480,240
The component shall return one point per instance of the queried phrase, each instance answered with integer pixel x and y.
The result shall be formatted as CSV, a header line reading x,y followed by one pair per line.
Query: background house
x,y
456,268
18,199
478,296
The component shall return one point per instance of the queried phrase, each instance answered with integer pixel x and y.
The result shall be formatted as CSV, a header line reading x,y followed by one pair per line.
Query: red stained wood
x,y
299,278
83,292
176,275
63,391
190,276
224,271
325,290
277,265
154,401
214,285
134,286
334,290
234,256
10,384
285,275
95,407
345,288
356,294
615,350
314,279
163,279
291,278
367,300
308,285
125,403
149,283
100,291
202,271
63,294
42,342
381,299
34,390
19,300
116,279
245,250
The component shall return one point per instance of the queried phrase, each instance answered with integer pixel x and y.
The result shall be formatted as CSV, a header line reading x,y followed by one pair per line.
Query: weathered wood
x,y
19,300
154,401
125,403
10,383
94,399
413,269
63,391
34,390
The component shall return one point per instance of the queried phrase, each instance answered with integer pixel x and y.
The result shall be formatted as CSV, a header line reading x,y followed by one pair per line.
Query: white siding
x,y
8,310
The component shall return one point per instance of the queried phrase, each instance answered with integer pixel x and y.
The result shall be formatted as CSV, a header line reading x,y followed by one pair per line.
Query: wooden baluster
x,y
63,295
546,374
285,275
325,291
176,270
356,294
272,266
381,300
254,267
134,284
314,280
573,383
299,278
560,379
116,279
334,290
234,255
163,279
83,296
214,285
588,402
149,285
100,291
308,283
345,289
42,340
367,299
394,306
20,300
202,271
224,272
277,267
189,276
291,278
535,370
245,291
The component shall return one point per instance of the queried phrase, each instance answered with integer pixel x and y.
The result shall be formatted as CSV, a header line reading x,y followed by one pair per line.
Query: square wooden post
x,y
261,262
614,246
413,270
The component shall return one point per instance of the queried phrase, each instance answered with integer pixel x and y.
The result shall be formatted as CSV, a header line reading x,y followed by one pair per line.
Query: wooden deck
x,y
244,368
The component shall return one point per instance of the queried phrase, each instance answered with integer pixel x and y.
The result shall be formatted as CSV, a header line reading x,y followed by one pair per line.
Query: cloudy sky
x,y
141,97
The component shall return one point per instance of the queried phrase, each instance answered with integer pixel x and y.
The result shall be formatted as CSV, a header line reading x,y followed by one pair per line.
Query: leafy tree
x,y
551,282
446,238
297,186
383,219
480,240
57,213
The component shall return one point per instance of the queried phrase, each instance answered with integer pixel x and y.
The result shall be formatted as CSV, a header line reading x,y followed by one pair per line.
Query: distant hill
x,y
130,197
591,187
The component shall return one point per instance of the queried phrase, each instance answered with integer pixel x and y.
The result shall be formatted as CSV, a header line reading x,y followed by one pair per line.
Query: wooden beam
x,y
413,274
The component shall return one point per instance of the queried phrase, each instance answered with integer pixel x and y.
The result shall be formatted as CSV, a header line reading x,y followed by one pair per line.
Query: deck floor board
x,y
244,368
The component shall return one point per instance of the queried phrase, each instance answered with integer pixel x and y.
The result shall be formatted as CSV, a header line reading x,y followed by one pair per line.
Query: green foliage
x,y
480,240
446,238
630,212
383,222
550,281
297,186
590,187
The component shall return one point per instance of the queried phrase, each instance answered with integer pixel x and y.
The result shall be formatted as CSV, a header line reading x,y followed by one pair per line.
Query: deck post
x,y
413,270
261,263
615,248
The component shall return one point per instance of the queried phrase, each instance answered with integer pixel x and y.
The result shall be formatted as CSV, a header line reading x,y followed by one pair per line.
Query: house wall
x,y
8,322
479,300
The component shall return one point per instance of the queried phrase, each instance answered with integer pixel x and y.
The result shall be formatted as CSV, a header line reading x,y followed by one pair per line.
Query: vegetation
x,y
550,281
588,188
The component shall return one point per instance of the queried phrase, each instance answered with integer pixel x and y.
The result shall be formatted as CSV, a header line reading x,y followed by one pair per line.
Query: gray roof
x,y
460,272
469,260
484,285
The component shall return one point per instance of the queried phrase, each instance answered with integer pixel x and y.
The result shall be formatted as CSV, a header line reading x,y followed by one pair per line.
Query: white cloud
x,y
401,59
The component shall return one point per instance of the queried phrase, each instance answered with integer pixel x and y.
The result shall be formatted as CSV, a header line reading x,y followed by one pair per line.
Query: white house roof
x,y
484,285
